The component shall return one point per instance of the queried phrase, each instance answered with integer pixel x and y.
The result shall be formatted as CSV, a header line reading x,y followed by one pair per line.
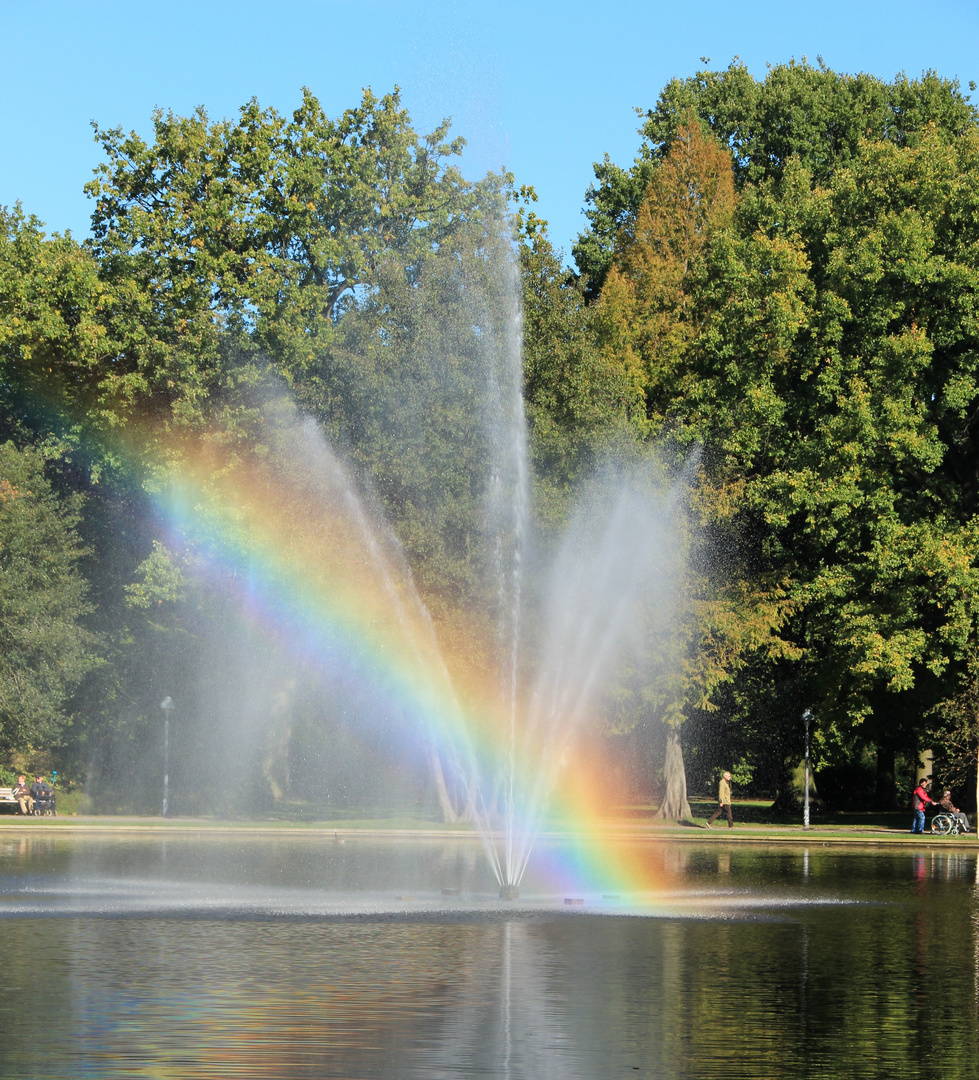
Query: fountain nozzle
x,y
509,892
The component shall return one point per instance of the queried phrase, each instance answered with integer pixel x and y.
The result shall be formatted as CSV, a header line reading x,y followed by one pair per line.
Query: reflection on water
x,y
767,973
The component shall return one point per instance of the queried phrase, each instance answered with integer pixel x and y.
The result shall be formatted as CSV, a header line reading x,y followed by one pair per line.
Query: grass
x,y
754,820
760,812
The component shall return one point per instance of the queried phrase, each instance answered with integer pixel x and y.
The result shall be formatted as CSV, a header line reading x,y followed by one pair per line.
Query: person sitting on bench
x,y
22,793
42,794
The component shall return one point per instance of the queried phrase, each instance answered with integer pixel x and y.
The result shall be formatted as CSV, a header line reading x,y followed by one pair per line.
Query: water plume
x,y
310,533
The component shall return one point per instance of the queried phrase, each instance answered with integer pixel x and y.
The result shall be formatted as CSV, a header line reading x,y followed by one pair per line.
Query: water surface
x,y
299,957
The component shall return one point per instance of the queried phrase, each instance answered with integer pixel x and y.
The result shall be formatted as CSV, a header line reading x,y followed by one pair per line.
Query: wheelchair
x,y
945,824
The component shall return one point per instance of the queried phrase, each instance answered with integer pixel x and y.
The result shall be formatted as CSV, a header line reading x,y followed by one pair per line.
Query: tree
x,y
954,725
45,649
262,228
580,400
346,257
57,375
813,116
821,351
853,442
646,316
652,311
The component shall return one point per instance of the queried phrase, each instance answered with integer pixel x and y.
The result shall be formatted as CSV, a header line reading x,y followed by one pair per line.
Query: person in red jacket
x,y
919,800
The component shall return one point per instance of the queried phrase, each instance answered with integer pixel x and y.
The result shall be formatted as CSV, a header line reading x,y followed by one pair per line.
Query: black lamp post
x,y
167,706
806,719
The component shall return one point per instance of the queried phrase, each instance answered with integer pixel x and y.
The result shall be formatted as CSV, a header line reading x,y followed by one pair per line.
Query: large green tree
x,y
262,227
348,256
45,648
349,259
801,113
831,377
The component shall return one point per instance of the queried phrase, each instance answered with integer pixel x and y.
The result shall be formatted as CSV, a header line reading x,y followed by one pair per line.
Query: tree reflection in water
x,y
787,966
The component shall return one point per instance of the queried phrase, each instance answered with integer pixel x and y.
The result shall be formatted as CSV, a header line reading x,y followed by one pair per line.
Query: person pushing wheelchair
x,y
919,800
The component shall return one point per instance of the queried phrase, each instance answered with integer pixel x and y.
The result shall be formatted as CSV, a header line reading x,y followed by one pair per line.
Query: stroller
x,y
44,805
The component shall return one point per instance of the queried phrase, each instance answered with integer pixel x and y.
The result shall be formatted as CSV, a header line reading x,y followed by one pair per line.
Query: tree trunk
x,y
449,815
275,765
886,796
674,805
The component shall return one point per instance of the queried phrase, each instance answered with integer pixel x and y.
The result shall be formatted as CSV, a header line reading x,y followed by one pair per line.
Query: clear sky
x,y
542,89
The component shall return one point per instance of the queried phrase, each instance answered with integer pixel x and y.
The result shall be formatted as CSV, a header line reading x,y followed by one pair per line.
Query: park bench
x,y
7,799
45,809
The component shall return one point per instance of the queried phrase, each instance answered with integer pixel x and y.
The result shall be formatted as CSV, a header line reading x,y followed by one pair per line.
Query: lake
x,y
291,955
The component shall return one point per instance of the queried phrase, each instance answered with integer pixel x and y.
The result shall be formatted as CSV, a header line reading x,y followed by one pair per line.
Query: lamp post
x,y
806,718
167,706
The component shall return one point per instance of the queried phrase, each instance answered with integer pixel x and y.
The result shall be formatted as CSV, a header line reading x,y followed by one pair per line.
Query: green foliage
x,y
646,317
404,387
821,347
858,466
579,399
56,345
262,227
45,649
809,115
784,282
348,259
159,581
953,724
348,256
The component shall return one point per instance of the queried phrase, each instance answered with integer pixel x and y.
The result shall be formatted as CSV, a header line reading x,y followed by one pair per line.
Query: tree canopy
x,y
820,346
778,293
45,651
799,113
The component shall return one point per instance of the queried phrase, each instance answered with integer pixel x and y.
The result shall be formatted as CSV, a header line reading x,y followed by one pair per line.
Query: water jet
x,y
547,620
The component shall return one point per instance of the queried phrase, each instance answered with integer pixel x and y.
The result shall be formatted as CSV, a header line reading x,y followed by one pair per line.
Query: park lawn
x,y
754,820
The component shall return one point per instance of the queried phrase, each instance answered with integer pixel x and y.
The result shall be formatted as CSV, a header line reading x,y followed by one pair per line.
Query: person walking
x,y
723,802
919,800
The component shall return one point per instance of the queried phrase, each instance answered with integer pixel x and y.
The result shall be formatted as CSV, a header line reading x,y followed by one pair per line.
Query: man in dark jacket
x,y
41,793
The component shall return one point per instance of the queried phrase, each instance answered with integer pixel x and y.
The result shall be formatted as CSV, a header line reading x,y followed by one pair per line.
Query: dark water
x,y
237,957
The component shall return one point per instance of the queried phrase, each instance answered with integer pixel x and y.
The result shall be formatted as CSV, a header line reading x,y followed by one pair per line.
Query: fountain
x,y
304,541
288,953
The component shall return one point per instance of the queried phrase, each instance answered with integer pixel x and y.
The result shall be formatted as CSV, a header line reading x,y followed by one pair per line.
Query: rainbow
x,y
312,566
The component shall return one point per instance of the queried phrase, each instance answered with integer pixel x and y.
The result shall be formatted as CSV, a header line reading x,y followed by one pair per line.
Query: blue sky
x,y
543,89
